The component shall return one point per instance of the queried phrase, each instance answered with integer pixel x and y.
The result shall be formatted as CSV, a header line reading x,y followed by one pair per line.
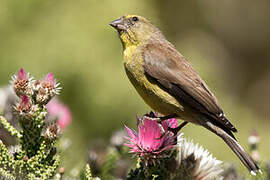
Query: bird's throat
x,y
128,39
129,52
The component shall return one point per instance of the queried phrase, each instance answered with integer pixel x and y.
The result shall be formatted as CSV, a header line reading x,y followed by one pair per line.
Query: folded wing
x,y
170,69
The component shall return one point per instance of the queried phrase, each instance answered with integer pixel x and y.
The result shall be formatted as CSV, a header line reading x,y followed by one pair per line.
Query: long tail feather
x,y
235,146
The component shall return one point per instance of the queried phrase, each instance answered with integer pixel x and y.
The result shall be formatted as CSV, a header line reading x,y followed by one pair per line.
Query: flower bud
x,y
46,89
21,83
51,132
24,107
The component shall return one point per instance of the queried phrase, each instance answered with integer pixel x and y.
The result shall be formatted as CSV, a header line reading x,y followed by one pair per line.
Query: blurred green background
x,y
228,43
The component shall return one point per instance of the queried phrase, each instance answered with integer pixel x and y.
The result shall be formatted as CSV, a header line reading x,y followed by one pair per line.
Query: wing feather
x,y
165,64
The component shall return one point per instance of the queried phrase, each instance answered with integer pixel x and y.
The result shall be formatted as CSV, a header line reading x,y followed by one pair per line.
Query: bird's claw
x,y
177,129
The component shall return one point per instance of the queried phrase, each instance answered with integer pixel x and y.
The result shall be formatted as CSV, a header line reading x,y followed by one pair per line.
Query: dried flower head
x,y
21,83
49,84
51,132
197,162
152,139
25,107
46,89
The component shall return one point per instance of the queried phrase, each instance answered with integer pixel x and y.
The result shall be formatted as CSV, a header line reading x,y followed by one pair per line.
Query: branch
x,y
13,131
6,161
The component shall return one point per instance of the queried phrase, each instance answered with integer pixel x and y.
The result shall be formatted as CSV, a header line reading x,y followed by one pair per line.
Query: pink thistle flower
x,y
21,83
153,138
61,112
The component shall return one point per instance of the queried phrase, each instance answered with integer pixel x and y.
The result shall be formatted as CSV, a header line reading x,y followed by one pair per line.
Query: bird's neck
x,y
129,38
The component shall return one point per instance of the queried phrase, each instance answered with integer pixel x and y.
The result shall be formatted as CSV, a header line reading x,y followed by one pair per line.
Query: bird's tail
x,y
235,146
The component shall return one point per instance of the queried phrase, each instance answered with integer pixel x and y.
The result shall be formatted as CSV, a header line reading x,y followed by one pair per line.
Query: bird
x,y
168,83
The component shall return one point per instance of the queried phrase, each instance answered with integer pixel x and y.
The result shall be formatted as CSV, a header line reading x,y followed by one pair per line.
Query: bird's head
x,y
134,30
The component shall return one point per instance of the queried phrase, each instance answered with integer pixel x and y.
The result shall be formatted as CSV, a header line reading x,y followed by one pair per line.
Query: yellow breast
x,y
158,99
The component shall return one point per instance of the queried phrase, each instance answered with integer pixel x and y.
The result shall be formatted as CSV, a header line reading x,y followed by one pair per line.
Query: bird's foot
x,y
177,129
153,116
173,130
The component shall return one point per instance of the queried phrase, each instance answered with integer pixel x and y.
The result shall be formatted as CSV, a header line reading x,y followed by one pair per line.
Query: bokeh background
x,y
228,43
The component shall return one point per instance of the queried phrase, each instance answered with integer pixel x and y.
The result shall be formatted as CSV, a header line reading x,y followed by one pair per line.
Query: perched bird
x,y
169,84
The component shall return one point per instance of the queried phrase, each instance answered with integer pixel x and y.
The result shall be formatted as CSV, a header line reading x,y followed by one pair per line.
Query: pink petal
x,y
163,149
133,141
25,104
50,78
131,145
172,123
149,134
170,140
150,138
25,100
22,75
132,134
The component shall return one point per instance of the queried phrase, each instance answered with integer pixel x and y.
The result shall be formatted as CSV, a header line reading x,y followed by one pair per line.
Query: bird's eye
x,y
135,18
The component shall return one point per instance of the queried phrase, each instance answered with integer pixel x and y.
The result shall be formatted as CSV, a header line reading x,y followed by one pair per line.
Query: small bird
x,y
169,84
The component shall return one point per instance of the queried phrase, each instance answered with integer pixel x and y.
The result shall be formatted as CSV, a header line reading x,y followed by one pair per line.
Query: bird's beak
x,y
118,24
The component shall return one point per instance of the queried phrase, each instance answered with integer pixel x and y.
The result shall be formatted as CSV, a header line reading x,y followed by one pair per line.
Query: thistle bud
x,y
46,89
24,107
21,83
51,132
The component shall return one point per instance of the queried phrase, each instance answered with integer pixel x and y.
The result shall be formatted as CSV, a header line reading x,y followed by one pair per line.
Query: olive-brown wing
x,y
170,69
